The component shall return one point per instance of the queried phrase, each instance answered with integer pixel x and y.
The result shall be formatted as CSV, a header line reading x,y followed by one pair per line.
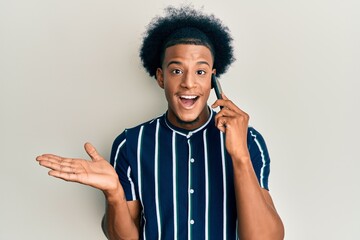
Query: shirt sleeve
x,y
259,157
120,162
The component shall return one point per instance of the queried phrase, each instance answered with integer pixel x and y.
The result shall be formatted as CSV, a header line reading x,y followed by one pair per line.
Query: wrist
x,y
116,195
240,155
241,161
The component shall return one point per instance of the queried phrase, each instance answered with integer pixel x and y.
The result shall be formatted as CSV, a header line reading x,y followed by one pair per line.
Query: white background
x,y
70,73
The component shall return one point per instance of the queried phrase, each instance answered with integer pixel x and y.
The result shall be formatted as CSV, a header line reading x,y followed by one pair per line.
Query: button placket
x,y
190,186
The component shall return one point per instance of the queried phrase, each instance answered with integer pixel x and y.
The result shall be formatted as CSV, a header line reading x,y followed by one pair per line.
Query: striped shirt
x,y
183,179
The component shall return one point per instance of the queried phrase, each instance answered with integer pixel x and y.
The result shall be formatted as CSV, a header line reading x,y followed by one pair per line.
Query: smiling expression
x,y
185,76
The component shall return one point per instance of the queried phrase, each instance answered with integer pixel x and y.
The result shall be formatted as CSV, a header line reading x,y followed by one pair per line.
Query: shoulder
x,y
127,141
255,137
259,156
257,146
134,131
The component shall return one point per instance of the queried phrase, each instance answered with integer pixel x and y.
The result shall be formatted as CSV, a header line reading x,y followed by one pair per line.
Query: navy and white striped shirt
x,y
183,179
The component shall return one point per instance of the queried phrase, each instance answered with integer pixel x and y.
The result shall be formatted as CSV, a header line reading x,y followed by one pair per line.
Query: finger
x,y
224,103
52,159
221,124
218,103
232,115
225,116
91,151
225,112
72,177
63,166
224,96
49,157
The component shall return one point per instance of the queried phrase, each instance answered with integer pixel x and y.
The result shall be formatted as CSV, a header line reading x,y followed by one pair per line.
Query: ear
x,y
214,71
160,77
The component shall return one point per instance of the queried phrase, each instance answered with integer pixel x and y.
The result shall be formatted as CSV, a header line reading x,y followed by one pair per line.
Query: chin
x,y
188,117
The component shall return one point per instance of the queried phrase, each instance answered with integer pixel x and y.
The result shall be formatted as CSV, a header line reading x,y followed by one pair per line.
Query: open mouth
x,y
188,101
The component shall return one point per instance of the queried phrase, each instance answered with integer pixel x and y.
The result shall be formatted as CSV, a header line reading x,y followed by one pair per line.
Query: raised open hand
x,y
97,172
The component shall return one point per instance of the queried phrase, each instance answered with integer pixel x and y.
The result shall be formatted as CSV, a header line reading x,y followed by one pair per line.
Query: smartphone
x,y
217,87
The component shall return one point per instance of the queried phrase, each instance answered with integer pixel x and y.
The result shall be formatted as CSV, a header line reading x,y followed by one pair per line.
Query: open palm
x,y
96,172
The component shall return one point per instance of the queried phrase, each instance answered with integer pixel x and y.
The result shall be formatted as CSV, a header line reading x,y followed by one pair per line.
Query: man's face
x,y
185,76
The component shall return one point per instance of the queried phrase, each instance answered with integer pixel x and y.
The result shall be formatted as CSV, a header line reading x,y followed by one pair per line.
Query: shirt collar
x,y
185,132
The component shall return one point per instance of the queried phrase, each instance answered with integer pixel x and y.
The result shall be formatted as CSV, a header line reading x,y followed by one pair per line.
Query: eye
x,y
200,72
176,71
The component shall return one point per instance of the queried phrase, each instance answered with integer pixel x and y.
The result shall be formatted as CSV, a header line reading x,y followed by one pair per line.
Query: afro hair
x,y
163,32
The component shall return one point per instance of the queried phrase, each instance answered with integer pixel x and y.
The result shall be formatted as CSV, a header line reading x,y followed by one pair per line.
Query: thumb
x,y
91,151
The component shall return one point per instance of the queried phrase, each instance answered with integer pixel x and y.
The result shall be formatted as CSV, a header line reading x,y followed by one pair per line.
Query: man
x,y
191,173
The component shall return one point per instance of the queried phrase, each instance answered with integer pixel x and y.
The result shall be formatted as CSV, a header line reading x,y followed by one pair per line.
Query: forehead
x,y
188,53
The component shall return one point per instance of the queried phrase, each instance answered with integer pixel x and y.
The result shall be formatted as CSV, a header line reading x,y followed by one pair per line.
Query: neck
x,y
189,125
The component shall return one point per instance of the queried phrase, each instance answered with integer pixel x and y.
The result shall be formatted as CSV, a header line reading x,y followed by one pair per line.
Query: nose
x,y
188,81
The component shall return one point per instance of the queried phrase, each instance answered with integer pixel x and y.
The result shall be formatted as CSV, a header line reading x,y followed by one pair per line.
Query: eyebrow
x,y
179,63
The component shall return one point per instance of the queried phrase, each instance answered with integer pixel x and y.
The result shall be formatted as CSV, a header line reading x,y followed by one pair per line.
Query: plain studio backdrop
x,y
70,73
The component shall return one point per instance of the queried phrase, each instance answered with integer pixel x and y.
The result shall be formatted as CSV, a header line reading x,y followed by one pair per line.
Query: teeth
x,y
188,97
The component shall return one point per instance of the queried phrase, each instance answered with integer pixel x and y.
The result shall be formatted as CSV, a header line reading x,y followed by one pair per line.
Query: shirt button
x,y
191,191
192,221
192,160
